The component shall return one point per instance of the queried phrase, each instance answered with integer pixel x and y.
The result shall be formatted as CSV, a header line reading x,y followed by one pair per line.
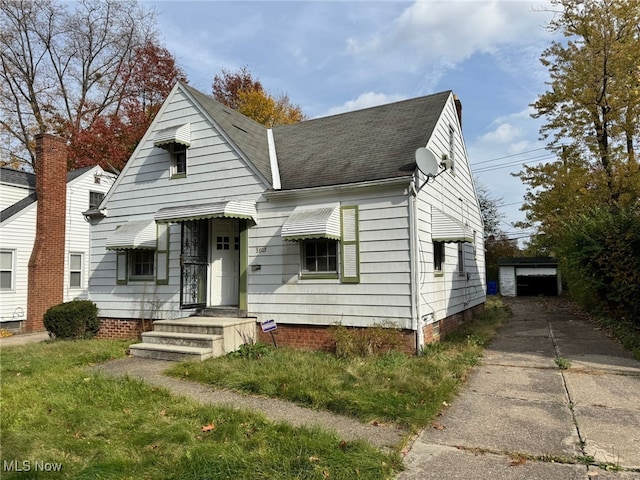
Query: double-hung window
x,y
7,269
75,270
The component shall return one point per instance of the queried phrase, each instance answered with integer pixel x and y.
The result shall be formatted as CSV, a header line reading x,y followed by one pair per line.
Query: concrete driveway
x,y
522,417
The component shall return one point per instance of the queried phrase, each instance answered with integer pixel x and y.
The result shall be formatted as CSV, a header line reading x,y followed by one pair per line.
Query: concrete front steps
x,y
195,338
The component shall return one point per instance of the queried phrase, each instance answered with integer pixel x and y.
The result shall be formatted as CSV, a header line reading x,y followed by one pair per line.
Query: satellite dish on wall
x,y
427,162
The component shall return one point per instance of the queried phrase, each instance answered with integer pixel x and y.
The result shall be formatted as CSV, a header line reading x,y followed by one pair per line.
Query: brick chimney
x,y
46,265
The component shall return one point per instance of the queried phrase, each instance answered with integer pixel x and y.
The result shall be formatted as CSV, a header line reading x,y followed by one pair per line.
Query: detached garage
x,y
529,276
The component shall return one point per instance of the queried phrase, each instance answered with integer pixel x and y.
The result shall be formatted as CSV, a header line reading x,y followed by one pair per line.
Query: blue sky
x,y
334,56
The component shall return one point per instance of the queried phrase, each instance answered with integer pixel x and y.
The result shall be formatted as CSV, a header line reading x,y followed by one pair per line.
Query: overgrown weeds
x,y
363,342
387,387
625,331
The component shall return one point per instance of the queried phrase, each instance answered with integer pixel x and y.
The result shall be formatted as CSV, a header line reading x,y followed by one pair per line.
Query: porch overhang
x,y
445,228
313,222
231,209
179,134
138,234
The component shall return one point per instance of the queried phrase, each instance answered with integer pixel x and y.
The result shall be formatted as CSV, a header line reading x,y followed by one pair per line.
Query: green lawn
x,y
53,410
406,390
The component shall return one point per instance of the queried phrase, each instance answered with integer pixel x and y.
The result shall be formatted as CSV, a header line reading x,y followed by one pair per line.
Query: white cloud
x,y
505,133
446,33
365,100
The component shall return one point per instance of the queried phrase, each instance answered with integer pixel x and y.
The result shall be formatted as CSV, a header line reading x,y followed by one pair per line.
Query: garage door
x,y
536,281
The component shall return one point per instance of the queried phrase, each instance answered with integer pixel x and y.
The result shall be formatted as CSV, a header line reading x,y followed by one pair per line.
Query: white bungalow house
x,y
85,189
322,222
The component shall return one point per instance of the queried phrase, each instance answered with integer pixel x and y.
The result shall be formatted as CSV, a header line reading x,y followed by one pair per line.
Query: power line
x,y
509,156
512,164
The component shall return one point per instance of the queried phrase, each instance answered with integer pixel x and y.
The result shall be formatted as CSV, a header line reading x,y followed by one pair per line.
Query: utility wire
x,y
512,164
509,156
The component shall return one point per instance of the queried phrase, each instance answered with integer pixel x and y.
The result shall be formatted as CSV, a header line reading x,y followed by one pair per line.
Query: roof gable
x,y
20,205
249,136
364,145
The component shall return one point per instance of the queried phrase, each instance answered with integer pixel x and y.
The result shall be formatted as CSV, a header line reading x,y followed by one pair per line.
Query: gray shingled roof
x,y
18,178
248,135
372,144
20,205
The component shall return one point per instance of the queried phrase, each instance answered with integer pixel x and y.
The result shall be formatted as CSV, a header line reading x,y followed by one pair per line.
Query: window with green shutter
x,y
350,247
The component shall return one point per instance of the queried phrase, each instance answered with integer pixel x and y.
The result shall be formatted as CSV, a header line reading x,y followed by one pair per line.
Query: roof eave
x,y
309,191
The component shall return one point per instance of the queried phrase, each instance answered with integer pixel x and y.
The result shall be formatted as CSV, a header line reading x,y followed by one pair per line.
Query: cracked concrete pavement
x,y
522,417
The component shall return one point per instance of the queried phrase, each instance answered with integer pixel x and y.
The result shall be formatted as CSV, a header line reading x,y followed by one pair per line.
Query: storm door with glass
x,y
194,264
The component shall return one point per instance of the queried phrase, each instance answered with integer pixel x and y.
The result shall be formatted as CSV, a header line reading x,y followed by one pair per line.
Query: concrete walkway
x,y
521,417
23,339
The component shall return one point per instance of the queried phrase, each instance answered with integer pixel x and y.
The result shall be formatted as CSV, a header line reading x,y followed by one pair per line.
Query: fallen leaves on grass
x,y
208,428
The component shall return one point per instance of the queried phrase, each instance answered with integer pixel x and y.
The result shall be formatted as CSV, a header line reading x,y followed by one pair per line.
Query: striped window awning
x,y
180,134
313,222
230,209
139,234
445,228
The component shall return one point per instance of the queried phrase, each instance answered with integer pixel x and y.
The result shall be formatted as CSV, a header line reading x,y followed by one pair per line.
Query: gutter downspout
x,y
416,320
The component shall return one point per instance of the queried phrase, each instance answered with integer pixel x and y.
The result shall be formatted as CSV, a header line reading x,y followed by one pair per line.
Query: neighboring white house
x,y
86,188
324,221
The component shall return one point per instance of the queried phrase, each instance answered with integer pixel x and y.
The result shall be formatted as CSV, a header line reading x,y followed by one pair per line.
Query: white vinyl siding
x,y
276,289
78,230
18,234
446,292
12,194
216,173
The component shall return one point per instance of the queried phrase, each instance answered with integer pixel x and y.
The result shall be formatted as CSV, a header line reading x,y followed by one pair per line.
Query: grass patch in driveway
x,y
54,410
390,388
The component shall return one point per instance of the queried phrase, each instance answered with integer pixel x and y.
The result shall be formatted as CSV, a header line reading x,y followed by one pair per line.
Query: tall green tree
x,y
64,65
591,111
586,203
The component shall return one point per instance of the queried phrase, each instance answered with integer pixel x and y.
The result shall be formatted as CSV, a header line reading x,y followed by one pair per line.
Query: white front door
x,y
225,262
